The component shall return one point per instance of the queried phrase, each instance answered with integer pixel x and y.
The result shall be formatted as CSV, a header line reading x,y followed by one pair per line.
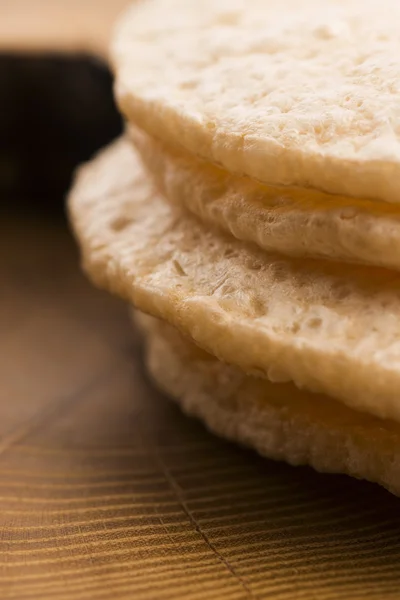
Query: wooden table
x,y
109,492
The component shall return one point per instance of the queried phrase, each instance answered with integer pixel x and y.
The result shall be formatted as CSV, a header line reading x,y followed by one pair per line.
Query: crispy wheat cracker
x,y
292,221
278,420
290,93
329,327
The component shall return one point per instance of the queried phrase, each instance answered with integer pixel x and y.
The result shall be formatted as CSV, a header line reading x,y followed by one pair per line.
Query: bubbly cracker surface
x,y
278,420
293,221
327,326
292,92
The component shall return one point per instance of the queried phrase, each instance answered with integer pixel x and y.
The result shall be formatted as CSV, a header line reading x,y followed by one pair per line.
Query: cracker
x,y
278,420
329,327
292,221
290,93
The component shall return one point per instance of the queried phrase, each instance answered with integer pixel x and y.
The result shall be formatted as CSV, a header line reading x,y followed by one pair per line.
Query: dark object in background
x,y
55,112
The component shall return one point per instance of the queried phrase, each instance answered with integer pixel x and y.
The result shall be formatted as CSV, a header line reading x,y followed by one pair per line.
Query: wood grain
x,y
108,492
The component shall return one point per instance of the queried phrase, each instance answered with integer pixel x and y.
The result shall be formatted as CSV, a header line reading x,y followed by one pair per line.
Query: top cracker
x,y
295,92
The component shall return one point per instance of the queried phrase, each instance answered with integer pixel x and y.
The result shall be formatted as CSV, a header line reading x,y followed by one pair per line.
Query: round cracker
x,y
288,220
278,420
329,327
291,93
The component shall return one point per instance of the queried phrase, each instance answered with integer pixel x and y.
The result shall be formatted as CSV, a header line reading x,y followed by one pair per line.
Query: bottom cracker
x,y
278,420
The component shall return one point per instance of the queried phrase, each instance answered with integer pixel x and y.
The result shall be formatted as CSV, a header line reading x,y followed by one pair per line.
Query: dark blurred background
x,y
56,111
56,102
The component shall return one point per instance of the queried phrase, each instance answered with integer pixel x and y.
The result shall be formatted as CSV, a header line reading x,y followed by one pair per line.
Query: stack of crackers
x,y
252,211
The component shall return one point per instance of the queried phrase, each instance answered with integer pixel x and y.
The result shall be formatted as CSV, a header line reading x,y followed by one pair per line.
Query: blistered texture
x,y
278,420
291,93
329,327
289,220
